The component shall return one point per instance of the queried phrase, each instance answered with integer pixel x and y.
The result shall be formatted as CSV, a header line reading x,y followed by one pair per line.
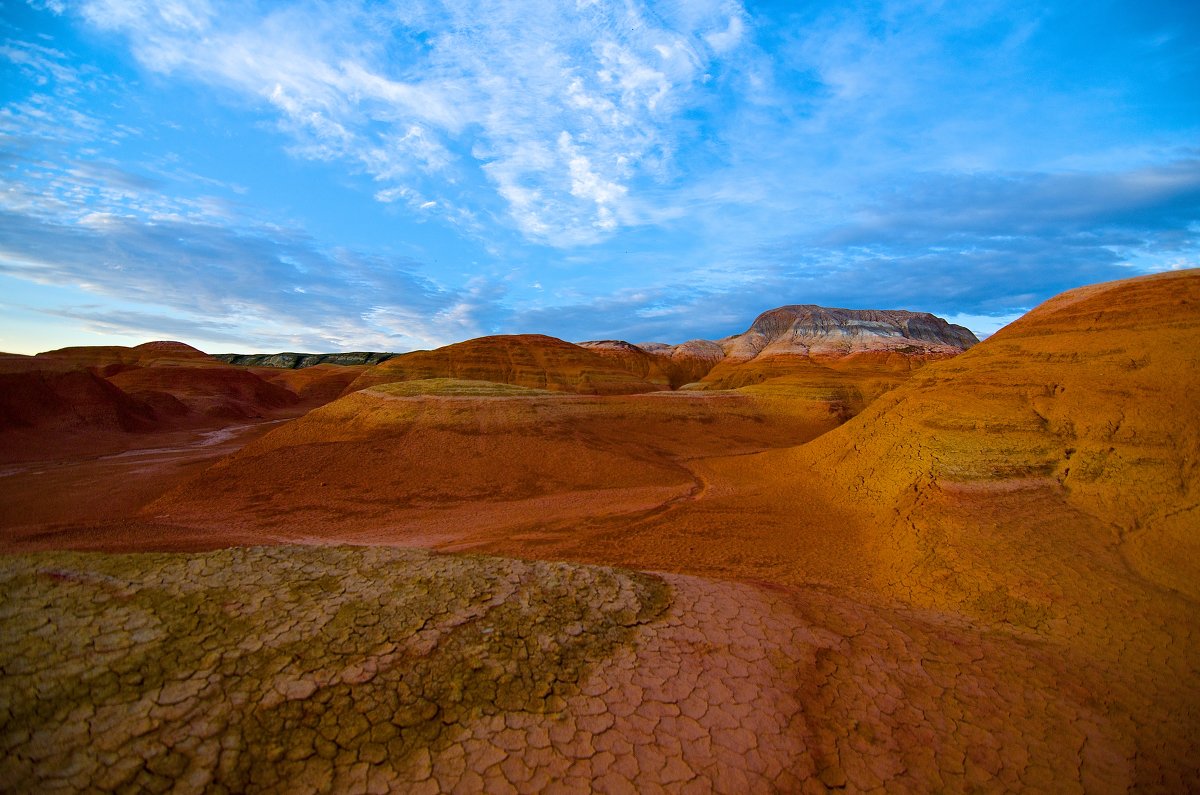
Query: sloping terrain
x,y
420,460
1047,480
529,360
47,393
1088,403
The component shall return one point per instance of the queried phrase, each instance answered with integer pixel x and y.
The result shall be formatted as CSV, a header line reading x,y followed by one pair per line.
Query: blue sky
x,y
386,176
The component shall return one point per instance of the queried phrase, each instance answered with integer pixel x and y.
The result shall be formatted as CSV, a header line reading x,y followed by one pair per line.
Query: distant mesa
x,y
840,359
812,330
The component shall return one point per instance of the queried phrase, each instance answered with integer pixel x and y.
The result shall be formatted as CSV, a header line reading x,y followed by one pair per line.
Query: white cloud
x,y
729,38
42,63
434,92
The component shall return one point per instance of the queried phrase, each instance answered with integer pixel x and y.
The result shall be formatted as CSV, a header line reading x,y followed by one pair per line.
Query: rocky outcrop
x,y
807,329
893,339
787,341
850,356
294,361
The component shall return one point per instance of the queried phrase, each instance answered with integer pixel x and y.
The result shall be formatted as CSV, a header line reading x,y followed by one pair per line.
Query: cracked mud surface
x,y
375,670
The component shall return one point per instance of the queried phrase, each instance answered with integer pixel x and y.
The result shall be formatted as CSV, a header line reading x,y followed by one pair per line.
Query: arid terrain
x,y
843,550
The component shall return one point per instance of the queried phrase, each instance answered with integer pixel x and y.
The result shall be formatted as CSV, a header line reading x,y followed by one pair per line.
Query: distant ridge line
x,y
296,361
795,328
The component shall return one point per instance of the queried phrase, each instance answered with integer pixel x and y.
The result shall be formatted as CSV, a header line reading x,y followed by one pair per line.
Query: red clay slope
x,y
81,401
468,462
529,360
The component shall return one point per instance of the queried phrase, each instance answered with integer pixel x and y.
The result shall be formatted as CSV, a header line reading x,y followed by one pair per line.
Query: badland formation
x,y
843,550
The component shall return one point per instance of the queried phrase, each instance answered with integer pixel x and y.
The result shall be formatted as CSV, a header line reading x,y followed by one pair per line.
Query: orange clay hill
x,y
445,461
835,360
983,578
528,360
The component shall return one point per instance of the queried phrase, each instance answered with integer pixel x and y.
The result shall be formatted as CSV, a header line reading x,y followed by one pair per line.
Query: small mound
x,y
171,348
529,360
146,354
89,400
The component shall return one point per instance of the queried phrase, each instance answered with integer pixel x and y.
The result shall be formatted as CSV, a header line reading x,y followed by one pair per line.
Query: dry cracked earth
x,y
351,669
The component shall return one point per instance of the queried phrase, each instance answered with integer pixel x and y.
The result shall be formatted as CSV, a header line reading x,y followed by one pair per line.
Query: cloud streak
x,y
260,281
562,109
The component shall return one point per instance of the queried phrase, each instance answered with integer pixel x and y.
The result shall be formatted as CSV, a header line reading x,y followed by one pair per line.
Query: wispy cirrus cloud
x,y
995,243
562,108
